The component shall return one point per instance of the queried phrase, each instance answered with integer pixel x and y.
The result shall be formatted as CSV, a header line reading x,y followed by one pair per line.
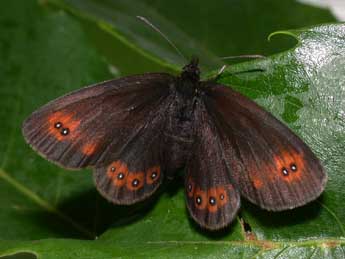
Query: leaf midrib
x,y
266,244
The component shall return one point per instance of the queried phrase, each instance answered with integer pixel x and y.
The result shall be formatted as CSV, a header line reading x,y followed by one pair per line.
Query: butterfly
x,y
138,130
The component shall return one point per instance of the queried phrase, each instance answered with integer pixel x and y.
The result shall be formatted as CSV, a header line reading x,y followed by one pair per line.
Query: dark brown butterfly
x,y
135,130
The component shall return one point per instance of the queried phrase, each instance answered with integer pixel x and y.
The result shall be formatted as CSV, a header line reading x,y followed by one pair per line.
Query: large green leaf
x,y
45,52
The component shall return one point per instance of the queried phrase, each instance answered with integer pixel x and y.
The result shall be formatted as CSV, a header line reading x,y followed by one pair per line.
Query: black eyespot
x,y
58,125
222,196
120,176
64,131
293,167
113,169
135,183
285,171
198,200
190,187
212,201
153,175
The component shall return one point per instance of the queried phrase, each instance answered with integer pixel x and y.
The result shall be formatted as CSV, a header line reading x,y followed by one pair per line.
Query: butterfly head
x,y
191,71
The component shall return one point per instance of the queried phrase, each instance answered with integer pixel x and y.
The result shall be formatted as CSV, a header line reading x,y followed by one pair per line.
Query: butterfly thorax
x,y
191,71
189,80
186,87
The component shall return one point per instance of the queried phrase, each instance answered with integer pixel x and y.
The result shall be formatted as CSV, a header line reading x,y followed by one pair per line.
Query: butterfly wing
x,y
211,197
270,165
135,169
113,126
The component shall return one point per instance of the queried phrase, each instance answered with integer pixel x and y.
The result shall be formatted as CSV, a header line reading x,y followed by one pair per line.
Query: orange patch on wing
x,y
118,172
153,174
292,177
89,148
285,161
132,178
257,183
203,195
222,196
212,193
66,120
190,187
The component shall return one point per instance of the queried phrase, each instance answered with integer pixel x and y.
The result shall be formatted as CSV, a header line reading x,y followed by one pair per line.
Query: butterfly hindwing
x,y
270,165
85,127
212,199
136,170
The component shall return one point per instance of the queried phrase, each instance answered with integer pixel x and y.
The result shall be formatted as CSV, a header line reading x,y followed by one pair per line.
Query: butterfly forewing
x,y
270,165
212,199
87,127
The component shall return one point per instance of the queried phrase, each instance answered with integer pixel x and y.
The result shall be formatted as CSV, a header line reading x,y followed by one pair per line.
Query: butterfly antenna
x,y
221,70
143,19
237,73
241,56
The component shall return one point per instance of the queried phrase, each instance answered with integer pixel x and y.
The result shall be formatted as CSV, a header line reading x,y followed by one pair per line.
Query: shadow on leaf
x,y
93,214
285,218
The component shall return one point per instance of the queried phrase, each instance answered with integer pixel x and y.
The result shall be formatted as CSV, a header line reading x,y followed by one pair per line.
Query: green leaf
x,y
199,28
306,85
46,52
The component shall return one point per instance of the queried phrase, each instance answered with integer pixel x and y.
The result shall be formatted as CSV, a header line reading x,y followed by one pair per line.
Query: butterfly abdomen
x,y
178,133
